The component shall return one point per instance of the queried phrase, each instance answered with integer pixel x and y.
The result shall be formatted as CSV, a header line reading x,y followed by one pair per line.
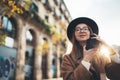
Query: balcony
x,y
47,5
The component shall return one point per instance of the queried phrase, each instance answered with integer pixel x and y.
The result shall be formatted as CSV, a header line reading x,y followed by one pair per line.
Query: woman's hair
x,y
77,48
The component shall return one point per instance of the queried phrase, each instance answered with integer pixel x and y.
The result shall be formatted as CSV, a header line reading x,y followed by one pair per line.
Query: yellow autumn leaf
x,y
10,3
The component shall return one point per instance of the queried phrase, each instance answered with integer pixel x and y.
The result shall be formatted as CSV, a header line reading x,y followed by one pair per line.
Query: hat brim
x,y
91,23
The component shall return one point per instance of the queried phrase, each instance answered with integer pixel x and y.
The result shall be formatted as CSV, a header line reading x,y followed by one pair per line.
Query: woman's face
x,y
82,32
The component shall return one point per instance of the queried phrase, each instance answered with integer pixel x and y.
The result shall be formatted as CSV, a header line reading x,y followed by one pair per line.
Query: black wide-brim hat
x,y
91,23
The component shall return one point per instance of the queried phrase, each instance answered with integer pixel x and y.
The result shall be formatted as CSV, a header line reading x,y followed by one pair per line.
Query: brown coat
x,y
113,71
72,69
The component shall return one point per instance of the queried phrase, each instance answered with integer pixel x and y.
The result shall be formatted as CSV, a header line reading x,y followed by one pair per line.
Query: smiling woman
x,y
91,62
107,16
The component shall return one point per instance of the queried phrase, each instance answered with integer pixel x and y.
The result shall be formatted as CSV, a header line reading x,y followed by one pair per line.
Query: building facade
x,y
32,43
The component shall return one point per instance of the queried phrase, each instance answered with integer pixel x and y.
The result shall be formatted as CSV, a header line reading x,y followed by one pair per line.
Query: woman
x,y
82,64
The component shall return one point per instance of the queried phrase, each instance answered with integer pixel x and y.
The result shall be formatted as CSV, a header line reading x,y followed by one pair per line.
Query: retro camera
x,y
92,42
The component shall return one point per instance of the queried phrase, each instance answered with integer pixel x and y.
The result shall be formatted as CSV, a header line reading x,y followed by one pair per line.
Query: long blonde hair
x,y
100,59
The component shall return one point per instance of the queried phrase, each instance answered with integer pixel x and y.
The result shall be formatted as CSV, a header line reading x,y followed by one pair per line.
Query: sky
x,y
106,14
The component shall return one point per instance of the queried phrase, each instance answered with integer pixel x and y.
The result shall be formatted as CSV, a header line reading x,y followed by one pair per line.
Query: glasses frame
x,y
84,29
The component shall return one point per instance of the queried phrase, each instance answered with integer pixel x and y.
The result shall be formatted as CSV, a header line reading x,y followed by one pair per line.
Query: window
x,y
57,2
34,7
7,32
8,27
46,18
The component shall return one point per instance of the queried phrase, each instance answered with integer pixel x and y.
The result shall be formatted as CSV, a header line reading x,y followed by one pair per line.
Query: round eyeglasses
x,y
84,29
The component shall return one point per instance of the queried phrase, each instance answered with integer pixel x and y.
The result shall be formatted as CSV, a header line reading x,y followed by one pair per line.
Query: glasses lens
x,y
85,29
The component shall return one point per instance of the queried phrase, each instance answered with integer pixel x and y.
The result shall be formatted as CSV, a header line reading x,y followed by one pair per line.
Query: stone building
x,y
32,43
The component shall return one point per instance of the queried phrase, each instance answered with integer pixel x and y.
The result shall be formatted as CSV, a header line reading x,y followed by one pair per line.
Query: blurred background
x,y
33,34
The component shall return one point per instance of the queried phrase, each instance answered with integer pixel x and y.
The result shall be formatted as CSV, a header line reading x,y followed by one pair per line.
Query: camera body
x,y
92,42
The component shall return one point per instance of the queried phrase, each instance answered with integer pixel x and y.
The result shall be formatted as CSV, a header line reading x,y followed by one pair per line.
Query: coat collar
x,y
75,56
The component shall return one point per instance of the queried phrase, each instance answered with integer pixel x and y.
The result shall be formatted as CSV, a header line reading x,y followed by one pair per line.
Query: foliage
x,y
45,47
50,29
57,38
26,4
55,35
2,37
9,7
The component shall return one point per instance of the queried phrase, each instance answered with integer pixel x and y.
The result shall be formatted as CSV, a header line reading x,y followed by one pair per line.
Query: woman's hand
x,y
89,54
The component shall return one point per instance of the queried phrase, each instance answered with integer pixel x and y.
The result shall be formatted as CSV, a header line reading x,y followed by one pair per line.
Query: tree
x,y
9,7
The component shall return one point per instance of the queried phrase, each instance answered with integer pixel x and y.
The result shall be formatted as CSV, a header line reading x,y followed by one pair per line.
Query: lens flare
x,y
104,50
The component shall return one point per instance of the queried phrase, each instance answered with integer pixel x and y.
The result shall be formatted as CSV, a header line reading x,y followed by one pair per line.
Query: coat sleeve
x,y
113,71
69,72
